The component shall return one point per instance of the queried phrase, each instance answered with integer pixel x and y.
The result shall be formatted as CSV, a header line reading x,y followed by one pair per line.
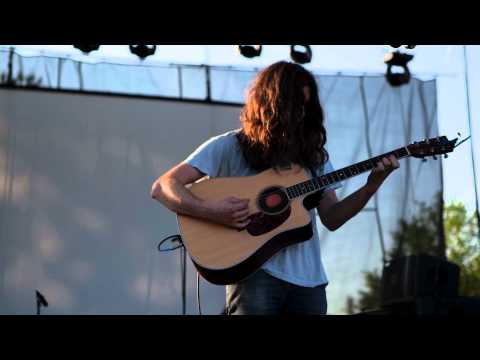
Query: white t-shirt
x,y
299,264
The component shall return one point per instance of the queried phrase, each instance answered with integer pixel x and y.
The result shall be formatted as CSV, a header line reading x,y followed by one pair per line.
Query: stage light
x,y
143,51
301,57
250,51
86,48
400,60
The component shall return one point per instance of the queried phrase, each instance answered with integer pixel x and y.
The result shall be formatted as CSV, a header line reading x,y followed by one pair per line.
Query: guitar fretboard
x,y
345,173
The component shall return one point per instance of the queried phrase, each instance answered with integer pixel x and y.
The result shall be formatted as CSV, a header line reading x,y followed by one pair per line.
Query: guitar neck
x,y
321,182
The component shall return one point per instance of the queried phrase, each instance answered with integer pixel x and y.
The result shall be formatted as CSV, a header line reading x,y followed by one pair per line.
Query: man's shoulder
x,y
228,137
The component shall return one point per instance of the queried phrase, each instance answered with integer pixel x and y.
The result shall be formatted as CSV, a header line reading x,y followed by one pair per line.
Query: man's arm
x,y
170,190
334,213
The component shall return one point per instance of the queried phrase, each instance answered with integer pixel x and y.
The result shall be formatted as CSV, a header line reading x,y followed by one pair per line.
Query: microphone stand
x,y
183,265
41,301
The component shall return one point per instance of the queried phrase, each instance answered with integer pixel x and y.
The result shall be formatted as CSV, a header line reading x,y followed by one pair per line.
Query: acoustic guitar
x,y
279,205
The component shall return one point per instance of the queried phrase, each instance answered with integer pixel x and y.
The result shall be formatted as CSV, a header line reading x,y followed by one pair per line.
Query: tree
x,y
7,78
464,247
29,81
420,235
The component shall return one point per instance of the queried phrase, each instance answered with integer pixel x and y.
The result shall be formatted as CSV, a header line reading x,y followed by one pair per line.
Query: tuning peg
x,y
446,156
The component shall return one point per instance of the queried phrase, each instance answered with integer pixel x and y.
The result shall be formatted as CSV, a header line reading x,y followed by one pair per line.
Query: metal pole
x,y
180,81
10,67
209,98
59,72
477,214
369,149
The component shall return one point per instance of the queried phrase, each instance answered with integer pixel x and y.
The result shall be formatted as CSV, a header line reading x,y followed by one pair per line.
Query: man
x,y
282,123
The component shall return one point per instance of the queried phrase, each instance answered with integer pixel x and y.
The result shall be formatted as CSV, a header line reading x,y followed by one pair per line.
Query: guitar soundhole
x,y
273,200
262,223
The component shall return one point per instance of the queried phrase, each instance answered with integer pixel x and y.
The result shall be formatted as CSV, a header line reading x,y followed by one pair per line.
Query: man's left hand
x,y
381,172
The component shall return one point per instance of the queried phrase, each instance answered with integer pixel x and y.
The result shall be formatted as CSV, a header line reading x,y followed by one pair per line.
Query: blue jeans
x,y
263,294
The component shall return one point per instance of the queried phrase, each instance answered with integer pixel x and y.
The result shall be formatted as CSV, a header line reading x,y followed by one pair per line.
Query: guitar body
x,y
224,255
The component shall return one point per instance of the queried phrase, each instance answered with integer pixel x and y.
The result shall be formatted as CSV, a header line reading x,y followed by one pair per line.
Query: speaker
x,y
459,306
417,276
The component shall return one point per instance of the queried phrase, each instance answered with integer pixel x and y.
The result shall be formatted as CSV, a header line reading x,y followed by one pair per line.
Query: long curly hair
x,y
278,126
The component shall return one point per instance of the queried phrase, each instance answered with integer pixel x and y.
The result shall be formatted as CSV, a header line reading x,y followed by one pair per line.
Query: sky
x,y
443,62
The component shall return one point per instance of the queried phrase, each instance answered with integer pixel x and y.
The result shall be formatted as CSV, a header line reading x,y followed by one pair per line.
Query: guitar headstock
x,y
431,147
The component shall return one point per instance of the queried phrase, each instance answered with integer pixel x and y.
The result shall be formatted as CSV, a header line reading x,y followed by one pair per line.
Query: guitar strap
x,y
313,200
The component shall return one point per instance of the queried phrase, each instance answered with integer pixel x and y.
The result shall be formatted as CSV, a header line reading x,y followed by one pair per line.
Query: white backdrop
x,y
77,221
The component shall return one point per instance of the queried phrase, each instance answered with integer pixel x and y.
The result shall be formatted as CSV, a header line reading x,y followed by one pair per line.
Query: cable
x,y
177,238
198,294
183,275
467,91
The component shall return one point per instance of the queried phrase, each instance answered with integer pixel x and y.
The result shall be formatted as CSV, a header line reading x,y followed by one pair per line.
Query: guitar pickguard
x,y
262,223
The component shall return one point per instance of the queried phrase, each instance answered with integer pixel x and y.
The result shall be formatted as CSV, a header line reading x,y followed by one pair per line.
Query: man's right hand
x,y
231,211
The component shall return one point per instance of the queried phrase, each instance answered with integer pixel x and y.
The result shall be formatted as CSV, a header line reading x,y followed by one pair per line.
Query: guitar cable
x,y
198,294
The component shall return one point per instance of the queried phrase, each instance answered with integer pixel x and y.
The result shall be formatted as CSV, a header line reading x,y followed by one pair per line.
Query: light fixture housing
x,y
143,51
301,57
401,60
86,49
250,51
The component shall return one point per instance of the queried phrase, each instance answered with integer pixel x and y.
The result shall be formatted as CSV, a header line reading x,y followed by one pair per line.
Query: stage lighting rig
x,y
301,57
400,60
250,51
143,51
86,48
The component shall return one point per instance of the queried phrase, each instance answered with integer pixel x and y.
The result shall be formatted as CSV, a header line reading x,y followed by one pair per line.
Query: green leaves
x,y
463,247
